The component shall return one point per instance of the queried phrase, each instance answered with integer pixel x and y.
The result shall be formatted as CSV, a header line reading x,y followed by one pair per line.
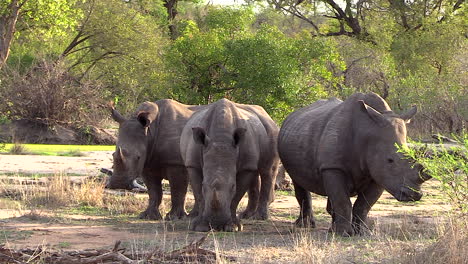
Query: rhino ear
x,y
408,115
143,118
238,135
373,114
117,116
200,137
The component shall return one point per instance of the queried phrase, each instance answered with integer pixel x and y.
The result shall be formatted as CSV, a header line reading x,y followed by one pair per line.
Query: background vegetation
x,y
62,60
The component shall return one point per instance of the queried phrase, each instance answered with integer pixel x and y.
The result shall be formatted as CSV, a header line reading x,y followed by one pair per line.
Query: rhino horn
x,y
117,116
138,186
375,115
409,114
121,154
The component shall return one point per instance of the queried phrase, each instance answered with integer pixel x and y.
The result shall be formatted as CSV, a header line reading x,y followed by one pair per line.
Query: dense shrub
x,y
47,91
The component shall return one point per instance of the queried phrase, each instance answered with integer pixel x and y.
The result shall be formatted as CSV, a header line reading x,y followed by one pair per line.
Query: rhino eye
x,y
390,160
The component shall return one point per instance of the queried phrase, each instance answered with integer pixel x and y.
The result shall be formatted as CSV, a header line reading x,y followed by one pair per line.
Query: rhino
x,y
148,147
225,148
346,148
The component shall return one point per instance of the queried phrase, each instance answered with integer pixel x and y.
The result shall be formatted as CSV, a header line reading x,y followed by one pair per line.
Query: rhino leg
x,y
194,212
178,181
244,180
155,197
267,192
306,217
196,179
254,191
339,204
199,224
362,206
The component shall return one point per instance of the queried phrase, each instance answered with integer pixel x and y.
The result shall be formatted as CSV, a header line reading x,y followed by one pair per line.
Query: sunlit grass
x,y
54,150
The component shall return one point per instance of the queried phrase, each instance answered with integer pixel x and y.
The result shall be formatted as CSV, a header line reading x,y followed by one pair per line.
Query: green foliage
x,y
447,164
263,67
36,17
41,29
409,52
430,50
123,50
429,66
229,20
277,72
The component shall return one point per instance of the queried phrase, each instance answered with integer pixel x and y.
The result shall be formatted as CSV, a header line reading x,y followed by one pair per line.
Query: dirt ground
x,y
272,241
35,164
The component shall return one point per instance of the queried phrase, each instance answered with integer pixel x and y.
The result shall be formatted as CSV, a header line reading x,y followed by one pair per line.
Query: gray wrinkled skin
x,y
341,149
225,148
148,147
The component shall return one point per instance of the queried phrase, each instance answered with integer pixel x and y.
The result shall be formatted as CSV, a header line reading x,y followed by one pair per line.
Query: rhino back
x,y
299,140
257,145
167,129
267,132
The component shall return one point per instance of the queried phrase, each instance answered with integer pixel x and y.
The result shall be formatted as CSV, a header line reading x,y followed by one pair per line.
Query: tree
x,y
119,44
113,45
223,56
22,15
353,18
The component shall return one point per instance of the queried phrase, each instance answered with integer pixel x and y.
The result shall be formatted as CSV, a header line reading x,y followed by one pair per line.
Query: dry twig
x,y
189,253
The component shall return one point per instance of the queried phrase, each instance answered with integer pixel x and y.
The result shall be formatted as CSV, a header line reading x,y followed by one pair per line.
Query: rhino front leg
x,y
362,206
178,181
339,204
267,192
153,183
254,192
196,181
243,181
306,217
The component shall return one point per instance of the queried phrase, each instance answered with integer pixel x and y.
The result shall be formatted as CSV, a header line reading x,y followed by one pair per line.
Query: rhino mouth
x,y
407,194
126,185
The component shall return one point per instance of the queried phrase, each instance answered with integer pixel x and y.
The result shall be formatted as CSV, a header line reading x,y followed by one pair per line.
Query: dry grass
x,y
18,149
450,247
60,191
310,249
124,204
403,237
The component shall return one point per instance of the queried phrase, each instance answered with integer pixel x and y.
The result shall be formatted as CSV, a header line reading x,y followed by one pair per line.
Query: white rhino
x,y
225,147
344,148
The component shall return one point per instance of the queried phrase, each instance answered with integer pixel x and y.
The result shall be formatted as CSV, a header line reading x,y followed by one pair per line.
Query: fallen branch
x,y
189,253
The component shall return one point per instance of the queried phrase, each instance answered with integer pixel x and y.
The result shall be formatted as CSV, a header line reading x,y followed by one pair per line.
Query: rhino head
x,y
219,175
132,147
401,177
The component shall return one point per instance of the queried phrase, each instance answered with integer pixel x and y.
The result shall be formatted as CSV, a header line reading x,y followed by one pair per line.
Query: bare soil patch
x,y
35,164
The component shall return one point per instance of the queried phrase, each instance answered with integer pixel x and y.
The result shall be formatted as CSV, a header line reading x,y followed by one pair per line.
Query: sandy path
x,y
87,165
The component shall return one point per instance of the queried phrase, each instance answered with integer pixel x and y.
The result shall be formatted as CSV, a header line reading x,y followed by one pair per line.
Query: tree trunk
x,y
7,29
170,6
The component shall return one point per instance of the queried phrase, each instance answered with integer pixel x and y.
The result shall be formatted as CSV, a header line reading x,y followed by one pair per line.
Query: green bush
x,y
447,163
